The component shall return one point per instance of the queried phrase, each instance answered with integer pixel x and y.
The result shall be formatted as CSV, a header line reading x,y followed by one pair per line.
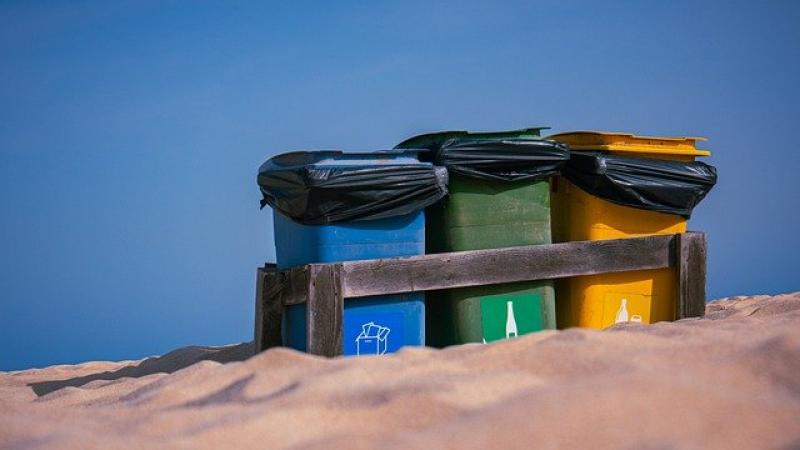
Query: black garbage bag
x,y
311,195
673,187
436,139
503,160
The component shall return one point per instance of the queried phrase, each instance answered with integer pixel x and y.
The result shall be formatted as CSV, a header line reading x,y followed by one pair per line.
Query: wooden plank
x,y
258,332
325,310
269,308
295,285
272,309
691,253
507,265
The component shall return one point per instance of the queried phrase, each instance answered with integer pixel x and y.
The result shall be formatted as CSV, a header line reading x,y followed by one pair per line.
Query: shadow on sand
x,y
171,362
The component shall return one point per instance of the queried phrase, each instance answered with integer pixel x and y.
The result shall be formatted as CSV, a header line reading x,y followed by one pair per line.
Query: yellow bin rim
x,y
628,142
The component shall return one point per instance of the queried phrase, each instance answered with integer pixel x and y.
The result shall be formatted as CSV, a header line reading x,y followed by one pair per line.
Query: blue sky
x,y
131,132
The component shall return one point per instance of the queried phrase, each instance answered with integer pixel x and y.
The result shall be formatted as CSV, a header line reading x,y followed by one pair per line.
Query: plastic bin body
x,y
481,214
399,320
596,301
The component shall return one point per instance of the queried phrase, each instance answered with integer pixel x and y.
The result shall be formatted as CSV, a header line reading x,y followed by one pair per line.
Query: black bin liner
x,y
673,187
318,196
502,160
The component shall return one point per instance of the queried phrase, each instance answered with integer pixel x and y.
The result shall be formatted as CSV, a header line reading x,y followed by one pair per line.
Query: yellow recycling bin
x,y
600,301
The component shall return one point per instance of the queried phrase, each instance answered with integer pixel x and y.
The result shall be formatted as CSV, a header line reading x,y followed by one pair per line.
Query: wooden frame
x,y
324,287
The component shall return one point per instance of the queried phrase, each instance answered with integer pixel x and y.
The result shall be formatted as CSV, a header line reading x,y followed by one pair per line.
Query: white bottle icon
x,y
511,322
622,312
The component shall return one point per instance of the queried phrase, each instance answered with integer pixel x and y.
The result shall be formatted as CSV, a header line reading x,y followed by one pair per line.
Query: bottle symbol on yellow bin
x,y
622,312
511,321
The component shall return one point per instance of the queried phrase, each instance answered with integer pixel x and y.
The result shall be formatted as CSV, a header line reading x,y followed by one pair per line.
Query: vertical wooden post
x,y
325,310
269,308
690,262
275,286
258,332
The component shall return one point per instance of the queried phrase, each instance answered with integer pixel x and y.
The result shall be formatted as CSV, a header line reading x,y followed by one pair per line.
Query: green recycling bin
x,y
499,197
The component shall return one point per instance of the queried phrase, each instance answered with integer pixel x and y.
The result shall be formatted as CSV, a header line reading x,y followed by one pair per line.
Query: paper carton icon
x,y
372,339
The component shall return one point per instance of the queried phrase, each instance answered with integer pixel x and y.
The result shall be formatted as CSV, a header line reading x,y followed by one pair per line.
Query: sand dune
x,y
730,380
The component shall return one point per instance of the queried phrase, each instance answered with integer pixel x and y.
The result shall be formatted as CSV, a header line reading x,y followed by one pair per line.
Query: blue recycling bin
x,y
372,325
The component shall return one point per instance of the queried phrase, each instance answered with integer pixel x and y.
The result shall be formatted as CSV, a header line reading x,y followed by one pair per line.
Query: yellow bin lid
x,y
627,142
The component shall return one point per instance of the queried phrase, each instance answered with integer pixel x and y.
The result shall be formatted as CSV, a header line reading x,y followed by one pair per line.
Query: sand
x,y
730,380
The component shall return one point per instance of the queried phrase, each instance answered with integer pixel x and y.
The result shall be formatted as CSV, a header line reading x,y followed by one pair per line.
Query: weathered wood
x,y
269,308
272,309
691,270
506,265
258,332
324,309
295,285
